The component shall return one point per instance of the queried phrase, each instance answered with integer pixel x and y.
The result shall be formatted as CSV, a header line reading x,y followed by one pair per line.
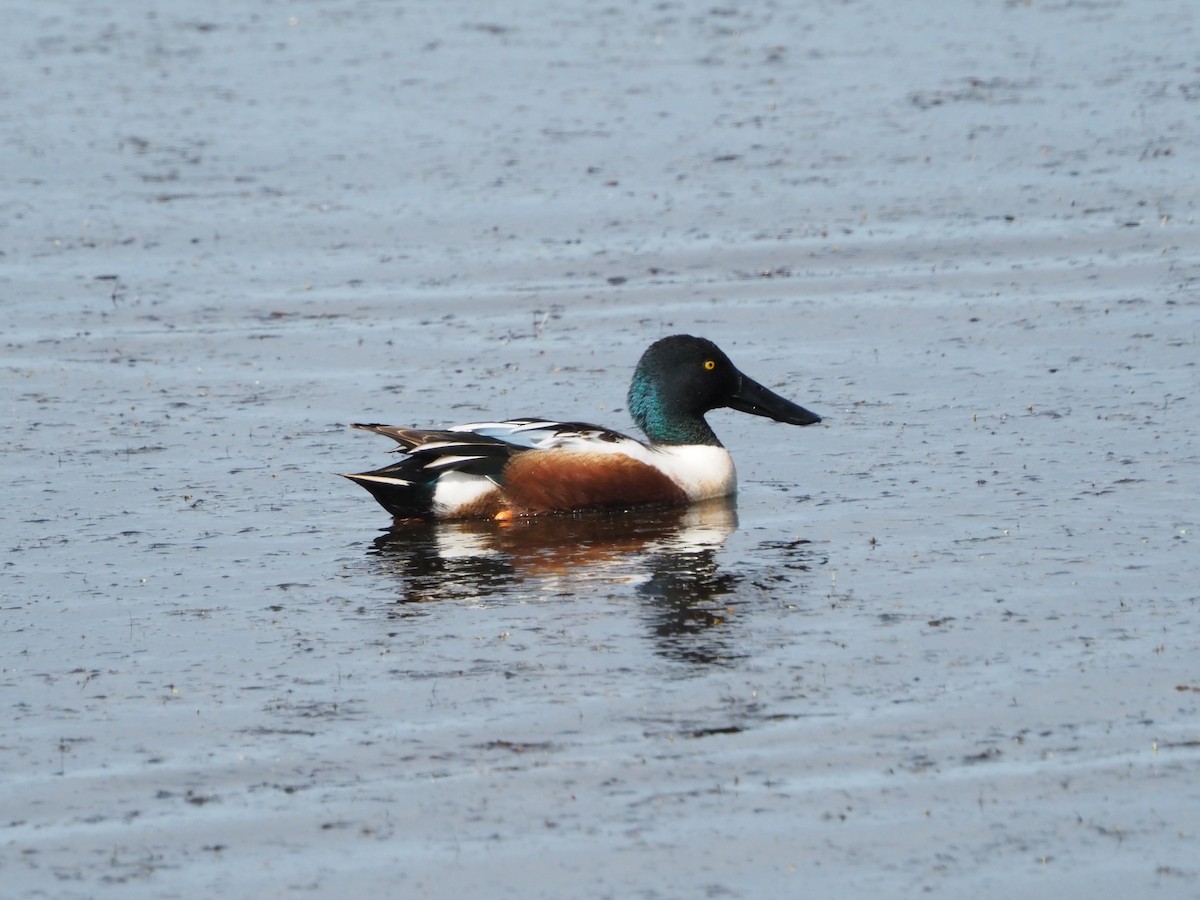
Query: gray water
x,y
944,644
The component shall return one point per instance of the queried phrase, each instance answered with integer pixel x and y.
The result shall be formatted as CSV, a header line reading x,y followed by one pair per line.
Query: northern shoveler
x,y
523,467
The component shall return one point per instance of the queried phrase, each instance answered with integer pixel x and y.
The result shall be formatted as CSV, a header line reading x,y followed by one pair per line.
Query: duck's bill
x,y
751,397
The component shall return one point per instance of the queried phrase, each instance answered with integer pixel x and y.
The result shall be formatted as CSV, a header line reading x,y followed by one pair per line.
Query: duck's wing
x,y
431,453
484,448
544,434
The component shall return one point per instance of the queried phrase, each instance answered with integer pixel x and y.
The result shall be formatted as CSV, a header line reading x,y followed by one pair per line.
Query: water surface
x,y
944,643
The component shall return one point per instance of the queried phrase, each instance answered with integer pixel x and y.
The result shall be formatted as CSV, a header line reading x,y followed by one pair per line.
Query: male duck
x,y
523,467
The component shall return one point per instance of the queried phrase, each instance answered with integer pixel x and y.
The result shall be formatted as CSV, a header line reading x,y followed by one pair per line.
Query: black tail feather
x,y
402,500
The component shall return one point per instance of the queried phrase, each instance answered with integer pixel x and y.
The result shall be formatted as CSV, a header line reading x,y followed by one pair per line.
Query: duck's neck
x,y
663,426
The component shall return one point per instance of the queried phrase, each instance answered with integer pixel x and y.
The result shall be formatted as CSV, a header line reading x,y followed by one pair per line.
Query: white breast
x,y
703,472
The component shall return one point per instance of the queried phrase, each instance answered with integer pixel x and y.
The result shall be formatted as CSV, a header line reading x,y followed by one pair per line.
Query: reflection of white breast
x,y
705,526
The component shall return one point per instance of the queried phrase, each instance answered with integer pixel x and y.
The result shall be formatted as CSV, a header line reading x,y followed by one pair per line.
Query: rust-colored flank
x,y
560,480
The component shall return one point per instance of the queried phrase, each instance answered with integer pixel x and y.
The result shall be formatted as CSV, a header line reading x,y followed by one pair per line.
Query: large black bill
x,y
751,397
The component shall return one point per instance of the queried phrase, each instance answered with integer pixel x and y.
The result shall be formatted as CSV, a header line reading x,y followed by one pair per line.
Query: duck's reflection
x,y
691,601
667,556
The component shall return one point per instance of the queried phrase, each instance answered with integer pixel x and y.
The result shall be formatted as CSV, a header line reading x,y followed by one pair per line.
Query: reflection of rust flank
x,y
558,480
543,560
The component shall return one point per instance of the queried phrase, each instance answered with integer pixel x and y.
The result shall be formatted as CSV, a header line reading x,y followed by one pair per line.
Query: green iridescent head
x,y
680,378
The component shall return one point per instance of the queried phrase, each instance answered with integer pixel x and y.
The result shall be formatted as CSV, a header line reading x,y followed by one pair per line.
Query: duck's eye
x,y
709,365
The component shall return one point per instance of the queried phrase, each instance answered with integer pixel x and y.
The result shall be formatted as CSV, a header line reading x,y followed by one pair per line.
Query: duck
x,y
526,467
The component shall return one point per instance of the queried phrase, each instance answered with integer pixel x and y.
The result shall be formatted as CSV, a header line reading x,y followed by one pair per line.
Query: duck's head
x,y
680,378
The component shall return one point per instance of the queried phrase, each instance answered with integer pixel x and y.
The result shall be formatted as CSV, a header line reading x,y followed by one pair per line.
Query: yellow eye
x,y
709,365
